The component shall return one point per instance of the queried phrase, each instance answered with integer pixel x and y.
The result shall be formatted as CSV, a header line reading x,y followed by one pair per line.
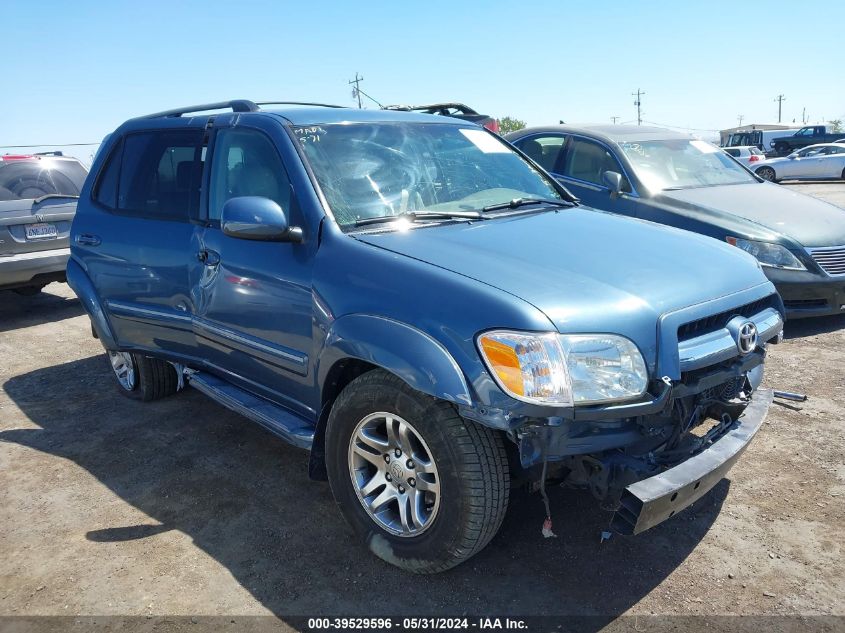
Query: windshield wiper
x,y
521,202
54,195
413,216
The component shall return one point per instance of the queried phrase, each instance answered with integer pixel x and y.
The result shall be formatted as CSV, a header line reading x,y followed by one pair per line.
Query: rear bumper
x,y
27,269
646,503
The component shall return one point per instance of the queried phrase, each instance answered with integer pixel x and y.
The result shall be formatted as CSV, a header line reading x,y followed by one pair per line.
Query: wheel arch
x,y
360,343
79,282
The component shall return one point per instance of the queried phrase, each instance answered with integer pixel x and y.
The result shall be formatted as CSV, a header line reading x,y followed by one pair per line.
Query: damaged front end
x,y
648,460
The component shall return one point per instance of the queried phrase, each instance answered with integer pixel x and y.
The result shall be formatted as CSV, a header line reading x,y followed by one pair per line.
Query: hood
x,y
586,270
806,220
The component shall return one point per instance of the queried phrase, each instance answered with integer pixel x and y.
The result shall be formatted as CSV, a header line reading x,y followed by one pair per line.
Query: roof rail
x,y
302,103
238,105
54,153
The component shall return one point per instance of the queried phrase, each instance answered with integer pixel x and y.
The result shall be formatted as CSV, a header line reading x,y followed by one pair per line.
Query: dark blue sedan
x,y
670,178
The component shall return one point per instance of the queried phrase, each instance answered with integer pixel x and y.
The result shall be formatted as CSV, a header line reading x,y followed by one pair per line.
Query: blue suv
x,y
407,297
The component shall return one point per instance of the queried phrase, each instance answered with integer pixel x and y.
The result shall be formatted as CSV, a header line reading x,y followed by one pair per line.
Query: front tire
x,y
423,487
142,378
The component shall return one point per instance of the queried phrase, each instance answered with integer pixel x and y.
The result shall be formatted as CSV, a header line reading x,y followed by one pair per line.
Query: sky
x,y
73,71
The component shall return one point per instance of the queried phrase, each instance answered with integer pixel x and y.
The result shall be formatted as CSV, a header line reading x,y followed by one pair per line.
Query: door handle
x,y
209,258
87,239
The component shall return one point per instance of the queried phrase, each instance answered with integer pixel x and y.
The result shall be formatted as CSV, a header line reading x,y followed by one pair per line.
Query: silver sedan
x,y
815,162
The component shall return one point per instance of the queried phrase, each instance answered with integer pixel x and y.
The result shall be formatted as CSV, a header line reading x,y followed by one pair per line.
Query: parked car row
x,y
438,314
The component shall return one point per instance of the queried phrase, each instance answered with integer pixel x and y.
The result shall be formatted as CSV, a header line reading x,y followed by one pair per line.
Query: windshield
x,y
32,178
374,170
683,164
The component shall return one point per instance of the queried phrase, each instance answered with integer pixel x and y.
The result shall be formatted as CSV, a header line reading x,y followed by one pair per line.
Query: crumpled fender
x,y
411,354
78,280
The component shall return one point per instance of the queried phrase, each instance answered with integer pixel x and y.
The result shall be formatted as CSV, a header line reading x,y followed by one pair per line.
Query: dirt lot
x,y
108,506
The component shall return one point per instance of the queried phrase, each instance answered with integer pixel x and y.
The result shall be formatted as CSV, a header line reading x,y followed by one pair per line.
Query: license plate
x,y
41,231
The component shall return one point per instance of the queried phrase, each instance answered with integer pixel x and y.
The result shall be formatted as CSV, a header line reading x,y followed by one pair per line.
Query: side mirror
x,y
613,181
256,218
793,156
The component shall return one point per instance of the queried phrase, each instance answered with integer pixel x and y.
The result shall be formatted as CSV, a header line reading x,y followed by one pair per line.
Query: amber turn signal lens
x,y
504,362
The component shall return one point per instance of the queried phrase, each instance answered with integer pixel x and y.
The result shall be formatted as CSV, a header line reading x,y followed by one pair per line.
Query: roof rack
x,y
237,105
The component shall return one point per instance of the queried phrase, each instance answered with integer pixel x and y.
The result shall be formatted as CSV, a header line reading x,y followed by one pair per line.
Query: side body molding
x,y
409,353
78,280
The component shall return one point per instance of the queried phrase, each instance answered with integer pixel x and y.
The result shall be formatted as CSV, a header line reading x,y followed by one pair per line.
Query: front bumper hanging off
x,y
646,503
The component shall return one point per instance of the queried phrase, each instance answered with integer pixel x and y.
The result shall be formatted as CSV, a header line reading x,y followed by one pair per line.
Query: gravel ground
x,y
114,507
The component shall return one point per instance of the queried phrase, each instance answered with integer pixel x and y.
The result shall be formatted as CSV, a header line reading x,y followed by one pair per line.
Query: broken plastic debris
x,y
547,528
605,536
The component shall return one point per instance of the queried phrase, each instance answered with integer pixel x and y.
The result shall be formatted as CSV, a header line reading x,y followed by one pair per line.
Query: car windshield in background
x,y
683,164
27,179
375,170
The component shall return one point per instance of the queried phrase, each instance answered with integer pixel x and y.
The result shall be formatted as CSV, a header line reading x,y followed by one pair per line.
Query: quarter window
x,y
246,164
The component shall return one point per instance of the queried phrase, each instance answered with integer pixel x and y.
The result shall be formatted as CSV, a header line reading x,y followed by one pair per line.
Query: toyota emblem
x,y
746,339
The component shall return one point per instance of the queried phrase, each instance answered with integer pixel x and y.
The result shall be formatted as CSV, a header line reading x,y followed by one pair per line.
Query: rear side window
x,y
154,174
543,150
30,178
733,152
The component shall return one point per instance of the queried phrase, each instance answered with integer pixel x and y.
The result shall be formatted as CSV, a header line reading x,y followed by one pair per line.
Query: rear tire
x,y
142,378
767,173
429,447
782,149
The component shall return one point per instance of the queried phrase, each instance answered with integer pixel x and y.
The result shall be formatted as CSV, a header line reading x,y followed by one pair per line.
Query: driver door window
x,y
246,164
587,161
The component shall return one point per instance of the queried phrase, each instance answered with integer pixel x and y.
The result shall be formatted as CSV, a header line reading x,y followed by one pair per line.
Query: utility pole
x,y
804,116
780,99
355,91
740,118
638,103
614,118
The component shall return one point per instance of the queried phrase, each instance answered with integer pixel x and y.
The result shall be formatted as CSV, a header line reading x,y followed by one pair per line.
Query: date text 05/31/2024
x,y
431,624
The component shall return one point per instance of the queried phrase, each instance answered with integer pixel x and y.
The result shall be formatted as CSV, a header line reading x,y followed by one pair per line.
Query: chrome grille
x,y
830,258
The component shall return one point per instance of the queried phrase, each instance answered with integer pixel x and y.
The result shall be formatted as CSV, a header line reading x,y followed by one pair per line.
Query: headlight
x,y
561,370
767,254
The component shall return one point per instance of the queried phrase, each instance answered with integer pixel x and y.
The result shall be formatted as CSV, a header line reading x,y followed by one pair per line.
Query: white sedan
x,y
748,155
816,162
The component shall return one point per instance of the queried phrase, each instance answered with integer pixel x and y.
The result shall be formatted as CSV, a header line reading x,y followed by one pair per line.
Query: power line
x,y
682,127
48,145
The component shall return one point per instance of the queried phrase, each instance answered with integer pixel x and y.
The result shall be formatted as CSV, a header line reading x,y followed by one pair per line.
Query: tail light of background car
x,y
492,125
754,158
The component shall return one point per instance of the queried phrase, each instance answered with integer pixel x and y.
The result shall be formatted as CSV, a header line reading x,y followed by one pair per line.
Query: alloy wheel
x,y
124,369
394,474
